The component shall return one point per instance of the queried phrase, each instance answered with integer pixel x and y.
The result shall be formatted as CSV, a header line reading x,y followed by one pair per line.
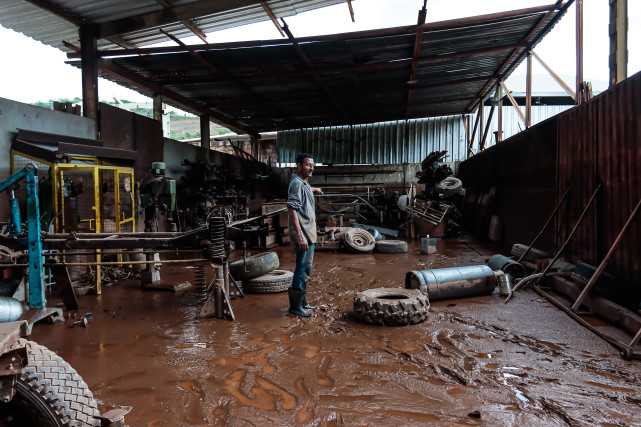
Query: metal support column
x,y
579,52
89,63
157,107
528,91
205,137
499,97
618,41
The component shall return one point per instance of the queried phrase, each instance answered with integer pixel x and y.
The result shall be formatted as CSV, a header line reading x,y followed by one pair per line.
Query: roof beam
x,y
418,41
57,11
169,15
188,104
186,22
217,70
351,10
409,29
531,39
271,15
308,63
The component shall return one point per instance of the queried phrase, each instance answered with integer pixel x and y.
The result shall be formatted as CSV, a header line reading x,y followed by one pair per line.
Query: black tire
x,y
358,241
533,254
50,393
254,266
270,283
391,246
449,185
391,306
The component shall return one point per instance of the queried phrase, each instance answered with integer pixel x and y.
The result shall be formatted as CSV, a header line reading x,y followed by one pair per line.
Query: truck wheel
x,y
391,306
254,266
449,186
358,241
270,283
49,393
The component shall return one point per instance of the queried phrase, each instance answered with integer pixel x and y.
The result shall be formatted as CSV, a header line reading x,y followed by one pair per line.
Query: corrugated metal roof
x,y
379,143
28,19
362,77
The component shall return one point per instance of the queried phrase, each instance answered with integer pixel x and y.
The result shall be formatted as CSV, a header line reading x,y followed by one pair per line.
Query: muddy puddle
x,y
475,361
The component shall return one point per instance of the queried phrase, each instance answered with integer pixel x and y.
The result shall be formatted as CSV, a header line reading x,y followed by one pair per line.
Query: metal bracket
x,y
217,304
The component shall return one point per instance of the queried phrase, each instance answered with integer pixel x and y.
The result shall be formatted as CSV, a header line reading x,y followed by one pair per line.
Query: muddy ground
x,y
521,364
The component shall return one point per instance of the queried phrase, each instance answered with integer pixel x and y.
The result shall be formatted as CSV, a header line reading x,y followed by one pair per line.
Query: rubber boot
x,y
295,303
306,305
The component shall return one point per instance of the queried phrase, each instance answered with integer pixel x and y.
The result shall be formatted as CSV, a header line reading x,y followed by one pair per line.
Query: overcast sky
x,y
34,72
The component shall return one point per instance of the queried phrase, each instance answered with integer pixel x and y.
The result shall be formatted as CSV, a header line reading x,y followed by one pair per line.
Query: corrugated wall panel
x,y
378,143
601,142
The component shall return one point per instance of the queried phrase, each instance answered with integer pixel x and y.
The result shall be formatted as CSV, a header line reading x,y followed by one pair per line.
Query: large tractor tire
x,y
391,306
254,266
49,393
270,283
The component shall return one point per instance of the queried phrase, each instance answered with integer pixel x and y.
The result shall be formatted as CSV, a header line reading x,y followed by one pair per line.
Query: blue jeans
x,y
304,259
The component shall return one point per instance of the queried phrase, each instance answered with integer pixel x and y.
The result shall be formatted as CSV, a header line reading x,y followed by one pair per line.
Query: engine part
x,y
454,282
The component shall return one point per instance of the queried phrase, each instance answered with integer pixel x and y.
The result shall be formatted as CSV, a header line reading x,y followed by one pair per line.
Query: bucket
x,y
505,284
506,265
454,282
428,245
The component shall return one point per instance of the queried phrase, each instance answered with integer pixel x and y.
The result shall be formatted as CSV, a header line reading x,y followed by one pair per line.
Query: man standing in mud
x,y
302,229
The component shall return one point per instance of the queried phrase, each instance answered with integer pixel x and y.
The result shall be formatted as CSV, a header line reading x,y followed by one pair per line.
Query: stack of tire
x,y
366,240
259,274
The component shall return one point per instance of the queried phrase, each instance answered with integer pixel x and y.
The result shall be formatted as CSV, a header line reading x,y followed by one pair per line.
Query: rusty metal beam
x,y
418,41
57,11
499,98
185,103
528,91
618,41
476,124
89,63
121,42
513,102
580,98
188,23
351,10
170,15
272,17
487,128
555,76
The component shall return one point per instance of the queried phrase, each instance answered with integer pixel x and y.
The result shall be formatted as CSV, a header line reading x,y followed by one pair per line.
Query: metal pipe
x,y
558,205
170,261
567,241
506,265
454,282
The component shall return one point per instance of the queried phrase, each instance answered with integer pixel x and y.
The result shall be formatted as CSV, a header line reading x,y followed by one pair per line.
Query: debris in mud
x,y
474,414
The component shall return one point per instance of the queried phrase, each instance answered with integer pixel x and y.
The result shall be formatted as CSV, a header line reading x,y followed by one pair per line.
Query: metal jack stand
x,y
219,290
36,292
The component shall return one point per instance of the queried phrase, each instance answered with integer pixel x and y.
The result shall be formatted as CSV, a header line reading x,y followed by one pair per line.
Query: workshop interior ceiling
x,y
433,69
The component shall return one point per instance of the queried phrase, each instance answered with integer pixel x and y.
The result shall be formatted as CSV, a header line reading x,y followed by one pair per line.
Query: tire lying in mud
x,y
254,266
449,186
391,306
358,240
49,393
391,246
270,283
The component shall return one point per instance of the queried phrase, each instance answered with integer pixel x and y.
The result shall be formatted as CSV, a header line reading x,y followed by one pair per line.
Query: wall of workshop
x,y
378,143
17,115
597,142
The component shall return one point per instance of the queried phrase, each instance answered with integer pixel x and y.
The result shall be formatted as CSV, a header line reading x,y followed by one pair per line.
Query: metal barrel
x,y
10,309
455,282
506,265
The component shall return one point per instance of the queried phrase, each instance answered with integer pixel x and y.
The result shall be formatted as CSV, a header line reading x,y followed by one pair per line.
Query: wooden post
x,y
89,63
205,137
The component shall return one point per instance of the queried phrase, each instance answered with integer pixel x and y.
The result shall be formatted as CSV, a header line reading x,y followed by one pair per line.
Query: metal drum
x,y
10,309
506,265
455,282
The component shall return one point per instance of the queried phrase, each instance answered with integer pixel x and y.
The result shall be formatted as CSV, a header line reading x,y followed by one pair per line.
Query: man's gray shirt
x,y
301,199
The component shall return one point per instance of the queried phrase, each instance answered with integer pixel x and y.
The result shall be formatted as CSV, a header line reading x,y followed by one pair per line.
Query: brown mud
x,y
524,363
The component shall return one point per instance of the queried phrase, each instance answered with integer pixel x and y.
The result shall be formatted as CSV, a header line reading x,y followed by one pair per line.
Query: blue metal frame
x,y
36,284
